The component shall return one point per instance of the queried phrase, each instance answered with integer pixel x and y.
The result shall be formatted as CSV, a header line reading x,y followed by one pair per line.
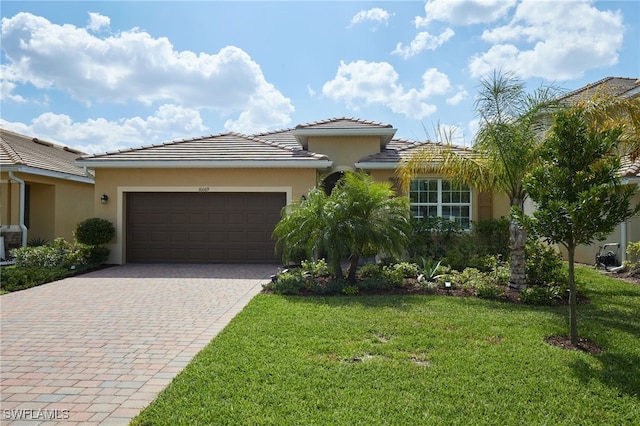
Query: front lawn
x,y
415,359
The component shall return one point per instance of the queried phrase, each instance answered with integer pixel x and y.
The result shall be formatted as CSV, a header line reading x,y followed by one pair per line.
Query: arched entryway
x,y
329,182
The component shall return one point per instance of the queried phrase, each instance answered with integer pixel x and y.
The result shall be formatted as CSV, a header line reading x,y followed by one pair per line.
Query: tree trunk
x,y
353,267
573,297
517,241
336,266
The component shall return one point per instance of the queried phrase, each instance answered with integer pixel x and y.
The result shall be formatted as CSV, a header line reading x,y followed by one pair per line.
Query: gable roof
x,y
343,126
20,153
224,150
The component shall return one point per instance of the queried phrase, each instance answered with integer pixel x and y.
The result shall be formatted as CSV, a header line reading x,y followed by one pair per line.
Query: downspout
x,y
623,242
21,214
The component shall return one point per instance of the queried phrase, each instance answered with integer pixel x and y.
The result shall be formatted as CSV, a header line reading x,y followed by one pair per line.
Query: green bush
x,y
378,277
488,290
291,281
540,295
95,231
633,258
544,264
58,253
408,270
37,242
492,237
16,278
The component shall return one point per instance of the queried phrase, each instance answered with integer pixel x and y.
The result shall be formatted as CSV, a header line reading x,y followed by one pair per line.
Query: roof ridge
x,y
336,119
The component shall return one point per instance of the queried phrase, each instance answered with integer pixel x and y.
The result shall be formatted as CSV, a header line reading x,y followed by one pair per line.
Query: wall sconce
x,y
104,198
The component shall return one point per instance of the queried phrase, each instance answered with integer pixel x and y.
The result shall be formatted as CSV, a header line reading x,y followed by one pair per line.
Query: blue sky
x,y
101,76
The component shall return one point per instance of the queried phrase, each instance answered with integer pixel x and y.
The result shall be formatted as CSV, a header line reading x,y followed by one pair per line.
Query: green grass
x,y
413,360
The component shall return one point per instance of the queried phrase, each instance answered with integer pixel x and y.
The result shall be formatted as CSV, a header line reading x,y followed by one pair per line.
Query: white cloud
x,y
98,22
542,41
464,12
376,15
423,41
376,83
100,135
133,65
6,92
460,96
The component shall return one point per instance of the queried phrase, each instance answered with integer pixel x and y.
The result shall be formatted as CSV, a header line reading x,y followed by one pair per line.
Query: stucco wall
x,y
115,183
56,205
345,151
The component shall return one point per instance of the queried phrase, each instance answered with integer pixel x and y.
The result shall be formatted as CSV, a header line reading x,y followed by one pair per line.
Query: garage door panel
x,y
202,228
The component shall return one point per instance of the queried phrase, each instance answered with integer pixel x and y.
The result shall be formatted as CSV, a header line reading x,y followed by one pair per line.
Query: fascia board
x,y
385,134
48,173
158,164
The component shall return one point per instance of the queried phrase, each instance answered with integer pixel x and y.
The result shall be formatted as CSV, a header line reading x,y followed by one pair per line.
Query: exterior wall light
x,y
104,198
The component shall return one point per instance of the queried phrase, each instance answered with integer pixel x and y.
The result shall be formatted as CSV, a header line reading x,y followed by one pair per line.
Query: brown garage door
x,y
191,227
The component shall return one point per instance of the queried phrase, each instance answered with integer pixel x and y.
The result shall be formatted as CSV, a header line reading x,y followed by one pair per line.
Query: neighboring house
x,y
217,198
628,231
43,194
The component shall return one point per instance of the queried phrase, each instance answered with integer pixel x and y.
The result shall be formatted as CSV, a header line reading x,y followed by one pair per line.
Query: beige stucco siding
x,y
345,151
115,183
56,205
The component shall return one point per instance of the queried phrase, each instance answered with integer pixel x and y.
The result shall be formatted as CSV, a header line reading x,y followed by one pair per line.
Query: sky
x,y
103,76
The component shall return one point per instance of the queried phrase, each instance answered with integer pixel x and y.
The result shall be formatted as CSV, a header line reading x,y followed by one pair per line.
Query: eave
x,y
48,173
205,164
302,135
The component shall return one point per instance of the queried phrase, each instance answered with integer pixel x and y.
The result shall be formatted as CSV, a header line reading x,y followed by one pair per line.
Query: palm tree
x,y
369,218
360,218
505,149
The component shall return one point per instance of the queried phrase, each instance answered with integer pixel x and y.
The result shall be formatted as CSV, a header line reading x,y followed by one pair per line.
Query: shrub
x,y
58,253
291,281
15,278
433,237
95,231
318,268
377,277
408,270
633,258
540,295
544,264
37,242
351,290
492,237
486,290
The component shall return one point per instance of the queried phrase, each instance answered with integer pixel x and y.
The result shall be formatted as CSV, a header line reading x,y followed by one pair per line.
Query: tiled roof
x,y
401,150
615,86
343,123
21,150
630,168
221,147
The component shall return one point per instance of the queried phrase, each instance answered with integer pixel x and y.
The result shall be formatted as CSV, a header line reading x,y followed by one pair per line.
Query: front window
x,y
441,198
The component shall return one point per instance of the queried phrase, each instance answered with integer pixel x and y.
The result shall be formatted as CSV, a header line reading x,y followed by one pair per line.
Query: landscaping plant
x,y
578,192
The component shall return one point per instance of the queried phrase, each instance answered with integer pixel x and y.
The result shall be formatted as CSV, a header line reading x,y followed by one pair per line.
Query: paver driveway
x,y
97,348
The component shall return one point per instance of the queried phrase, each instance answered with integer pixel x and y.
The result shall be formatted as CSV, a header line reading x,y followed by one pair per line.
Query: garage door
x,y
202,227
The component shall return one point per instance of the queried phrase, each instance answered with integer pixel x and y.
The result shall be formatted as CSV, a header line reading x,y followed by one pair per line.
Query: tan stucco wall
x,y
115,183
345,151
57,205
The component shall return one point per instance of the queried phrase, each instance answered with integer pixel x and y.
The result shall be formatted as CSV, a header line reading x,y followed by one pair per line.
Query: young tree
x,y
504,151
578,191
360,218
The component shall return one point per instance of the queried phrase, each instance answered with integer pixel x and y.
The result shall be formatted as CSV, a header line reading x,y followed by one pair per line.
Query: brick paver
x,y
97,348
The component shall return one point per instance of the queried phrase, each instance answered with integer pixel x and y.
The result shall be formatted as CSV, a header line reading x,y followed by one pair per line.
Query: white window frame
x,y
440,204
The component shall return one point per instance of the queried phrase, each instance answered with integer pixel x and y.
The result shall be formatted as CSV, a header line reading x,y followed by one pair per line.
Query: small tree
x,y
360,218
579,195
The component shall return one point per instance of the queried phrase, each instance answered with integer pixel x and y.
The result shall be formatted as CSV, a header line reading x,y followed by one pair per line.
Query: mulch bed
x,y
583,345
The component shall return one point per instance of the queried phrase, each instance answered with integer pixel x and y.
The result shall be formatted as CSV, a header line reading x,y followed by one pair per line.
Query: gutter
x,y
23,227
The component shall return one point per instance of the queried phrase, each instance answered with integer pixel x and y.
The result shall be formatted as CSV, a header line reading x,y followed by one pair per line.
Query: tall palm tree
x,y
505,149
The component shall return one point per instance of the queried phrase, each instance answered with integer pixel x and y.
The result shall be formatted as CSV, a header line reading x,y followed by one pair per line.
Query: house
x,y
43,194
217,199
628,231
